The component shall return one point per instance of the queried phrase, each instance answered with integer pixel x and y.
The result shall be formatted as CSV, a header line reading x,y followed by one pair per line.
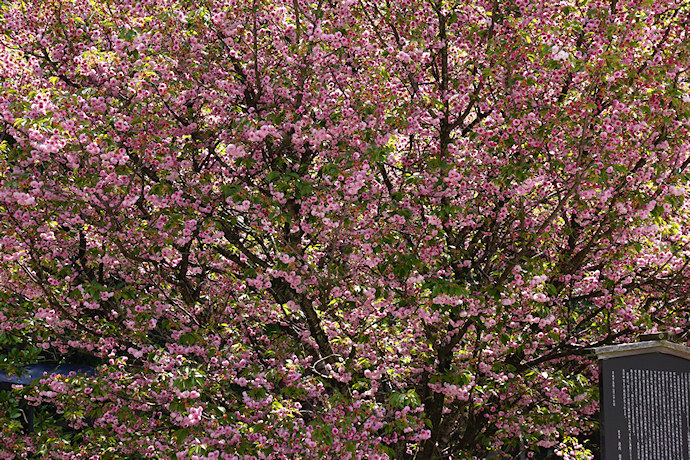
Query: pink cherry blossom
x,y
348,230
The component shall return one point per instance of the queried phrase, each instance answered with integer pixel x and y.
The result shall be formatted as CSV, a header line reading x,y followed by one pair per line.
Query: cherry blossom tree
x,y
335,229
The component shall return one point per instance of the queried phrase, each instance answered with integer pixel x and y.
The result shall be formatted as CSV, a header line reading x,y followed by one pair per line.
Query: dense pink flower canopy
x,y
335,229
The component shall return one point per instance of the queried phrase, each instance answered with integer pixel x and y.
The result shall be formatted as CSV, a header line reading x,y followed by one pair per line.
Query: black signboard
x,y
645,402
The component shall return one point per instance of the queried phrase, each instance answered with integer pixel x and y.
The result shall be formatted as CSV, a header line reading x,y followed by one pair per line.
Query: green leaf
x,y
181,434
